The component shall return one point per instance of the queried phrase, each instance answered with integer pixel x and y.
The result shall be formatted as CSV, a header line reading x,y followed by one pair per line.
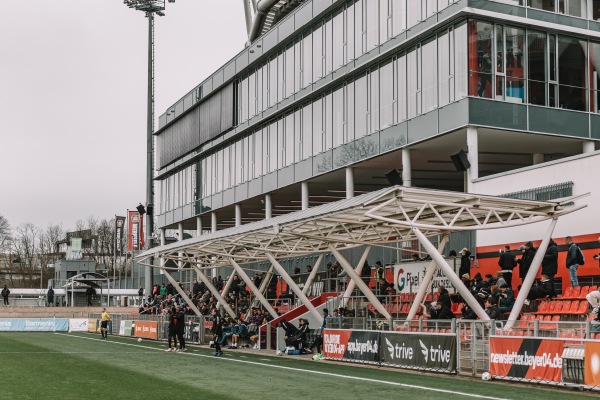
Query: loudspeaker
x,y
460,160
150,209
141,210
394,177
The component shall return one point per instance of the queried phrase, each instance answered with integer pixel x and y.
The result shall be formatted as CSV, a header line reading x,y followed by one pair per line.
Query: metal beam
x,y
286,277
449,272
351,284
359,282
227,287
312,275
214,291
253,288
431,270
181,292
248,16
530,277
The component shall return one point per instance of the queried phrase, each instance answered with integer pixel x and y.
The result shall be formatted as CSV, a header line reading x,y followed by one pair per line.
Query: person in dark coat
x,y
491,308
444,297
217,331
50,295
507,263
181,328
89,292
541,291
365,273
528,252
465,262
550,265
172,330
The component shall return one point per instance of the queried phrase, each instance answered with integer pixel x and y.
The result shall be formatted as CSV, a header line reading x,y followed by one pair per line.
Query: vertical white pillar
x,y
349,182
238,215
538,158
179,239
473,156
406,168
304,187
198,226
268,206
589,146
213,222
259,296
163,241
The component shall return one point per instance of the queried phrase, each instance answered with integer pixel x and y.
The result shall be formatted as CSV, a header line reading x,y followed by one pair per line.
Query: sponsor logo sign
x,y
126,328
419,351
93,325
34,324
78,325
408,277
351,345
135,231
592,363
537,359
146,329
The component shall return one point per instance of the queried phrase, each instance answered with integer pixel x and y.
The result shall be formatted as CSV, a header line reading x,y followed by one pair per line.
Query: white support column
x,y
538,158
163,241
198,226
349,182
406,168
227,287
588,146
359,282
213,222
351,284
248,16
238,215
253,288
473,156
312,275
214,291
180,290
304,195
431,270
268,206
316,314
449,272
530,277
264,283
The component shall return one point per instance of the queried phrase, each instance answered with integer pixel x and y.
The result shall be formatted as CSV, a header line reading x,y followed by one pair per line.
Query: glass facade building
x,y
346,82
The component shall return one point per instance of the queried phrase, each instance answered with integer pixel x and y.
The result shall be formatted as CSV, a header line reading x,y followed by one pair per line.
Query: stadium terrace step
x,y
61,312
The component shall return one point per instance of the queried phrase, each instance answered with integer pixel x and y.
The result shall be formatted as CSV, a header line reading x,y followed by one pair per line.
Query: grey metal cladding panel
x,y
286,28
488,5
322,82
532,13
270,182
228,72
188,211
562,122
454,115
320,5
217,201
227,107
241,61
364,59
161,220
218,78
256,51
423,127
255,187
178,214
204,122
304,14
497,113
169,218
214,104
594,26
285,176
241,192
343,70
228,196
179,108
207,87
303,170
270,40
162,121
595,125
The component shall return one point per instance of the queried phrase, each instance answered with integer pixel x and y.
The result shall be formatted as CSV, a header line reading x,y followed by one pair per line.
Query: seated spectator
x,y
289,331
507,298
544,289
385,288
500,278
238,331
444,296
594,299
299,338
227,328
489,280
491,308
466,280
440,311
478,282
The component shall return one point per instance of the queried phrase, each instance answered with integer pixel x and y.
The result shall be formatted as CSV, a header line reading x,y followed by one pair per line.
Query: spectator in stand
x,y
597,256
444,297
170,289
550,265
195,288
491,308
507,263
572,264
478,283
239,331
507,299
379,273
217,331
466,279
416,258
385,289
500,279
440,311
465,262
594,299
172,330
155,290
297,270
299,338
489,280
308,269
543,290
50,296
365,273
528,252
89,293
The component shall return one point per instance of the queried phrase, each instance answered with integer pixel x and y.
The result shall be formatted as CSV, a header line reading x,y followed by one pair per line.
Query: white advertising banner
x,y
78,325
408,277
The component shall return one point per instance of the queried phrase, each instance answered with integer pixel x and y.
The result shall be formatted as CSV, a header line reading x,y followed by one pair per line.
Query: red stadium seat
x,y
561,305
436,296
568,293
583,308
576,292
584,292
542,308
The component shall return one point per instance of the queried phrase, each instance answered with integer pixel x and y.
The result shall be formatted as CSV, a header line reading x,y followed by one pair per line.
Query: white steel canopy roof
x,y
378,218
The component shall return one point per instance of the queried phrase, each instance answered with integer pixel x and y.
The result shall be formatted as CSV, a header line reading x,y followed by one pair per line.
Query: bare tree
x,y
26,247
4,233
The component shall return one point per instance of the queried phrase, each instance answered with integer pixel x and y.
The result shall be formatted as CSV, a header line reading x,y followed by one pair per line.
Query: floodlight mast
x,y
149,7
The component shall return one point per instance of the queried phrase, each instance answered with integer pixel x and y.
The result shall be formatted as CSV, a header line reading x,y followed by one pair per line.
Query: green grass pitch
x,y
81,366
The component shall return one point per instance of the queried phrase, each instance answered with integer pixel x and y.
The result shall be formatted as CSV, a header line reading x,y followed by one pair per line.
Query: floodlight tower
x,y
149,7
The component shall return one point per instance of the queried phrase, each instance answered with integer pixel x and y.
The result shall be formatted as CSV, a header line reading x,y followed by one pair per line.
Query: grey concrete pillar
x,y
406,168
268,206
349,182
238,215
304,195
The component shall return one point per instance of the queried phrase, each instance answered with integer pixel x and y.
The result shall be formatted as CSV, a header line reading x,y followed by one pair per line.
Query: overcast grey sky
x,y
73,79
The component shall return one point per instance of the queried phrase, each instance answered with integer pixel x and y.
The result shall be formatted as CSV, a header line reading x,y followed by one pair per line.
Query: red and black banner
x,y
527,358
351,345
135,231
436,351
